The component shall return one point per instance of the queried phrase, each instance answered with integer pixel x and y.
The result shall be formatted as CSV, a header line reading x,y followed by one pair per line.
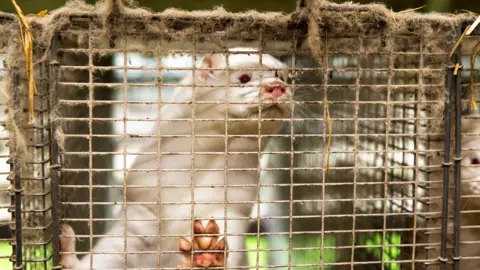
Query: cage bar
x,y
353,179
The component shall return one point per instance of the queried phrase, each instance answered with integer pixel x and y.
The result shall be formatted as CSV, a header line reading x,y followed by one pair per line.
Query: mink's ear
x,y
211,61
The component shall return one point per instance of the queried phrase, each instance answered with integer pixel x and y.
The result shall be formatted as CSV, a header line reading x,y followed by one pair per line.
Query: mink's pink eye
x,y
244,78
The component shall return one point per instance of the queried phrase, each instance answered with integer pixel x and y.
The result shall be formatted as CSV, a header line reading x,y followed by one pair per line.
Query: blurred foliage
x,y
34,6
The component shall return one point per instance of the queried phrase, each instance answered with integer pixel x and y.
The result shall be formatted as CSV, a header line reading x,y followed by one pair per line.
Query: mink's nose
x,y
276,90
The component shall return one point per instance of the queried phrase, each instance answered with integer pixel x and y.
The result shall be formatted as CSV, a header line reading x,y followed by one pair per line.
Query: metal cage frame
x,y
50,164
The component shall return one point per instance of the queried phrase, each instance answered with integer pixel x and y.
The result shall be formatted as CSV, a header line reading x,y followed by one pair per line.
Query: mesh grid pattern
x,y
350,178
378,108
5,202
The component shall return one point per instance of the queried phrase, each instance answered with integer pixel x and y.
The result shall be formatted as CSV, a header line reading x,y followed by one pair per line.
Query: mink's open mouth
x,y
271,109
276,109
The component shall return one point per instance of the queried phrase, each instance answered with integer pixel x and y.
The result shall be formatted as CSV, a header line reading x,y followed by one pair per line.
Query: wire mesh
x,y
464,202
28,184
31,182
343,171
365,209
5,203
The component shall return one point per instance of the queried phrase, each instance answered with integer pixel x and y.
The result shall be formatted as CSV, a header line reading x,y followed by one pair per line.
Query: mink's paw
x,y
67,245
208,251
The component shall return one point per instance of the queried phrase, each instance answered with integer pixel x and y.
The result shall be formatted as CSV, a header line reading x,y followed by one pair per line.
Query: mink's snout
x,y
276,89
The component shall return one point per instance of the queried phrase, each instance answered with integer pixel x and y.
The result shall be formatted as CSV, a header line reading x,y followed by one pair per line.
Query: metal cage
x,y
364,173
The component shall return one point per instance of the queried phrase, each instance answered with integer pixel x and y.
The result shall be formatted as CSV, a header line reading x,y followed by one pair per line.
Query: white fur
x,y
240,199
470,177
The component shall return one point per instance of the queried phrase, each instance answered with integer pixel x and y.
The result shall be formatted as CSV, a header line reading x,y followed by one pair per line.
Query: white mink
x,y
470,190
267,88
469,200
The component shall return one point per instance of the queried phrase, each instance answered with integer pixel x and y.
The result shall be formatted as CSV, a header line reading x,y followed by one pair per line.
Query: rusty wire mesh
x,y
29,175
5,202
464,201
352,180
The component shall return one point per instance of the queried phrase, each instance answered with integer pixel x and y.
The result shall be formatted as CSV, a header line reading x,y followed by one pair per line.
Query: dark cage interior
x,y
324,139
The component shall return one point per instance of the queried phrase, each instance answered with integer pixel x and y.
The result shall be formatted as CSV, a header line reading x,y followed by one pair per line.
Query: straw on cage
x,y
329,138
27,43
475,51
473,58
